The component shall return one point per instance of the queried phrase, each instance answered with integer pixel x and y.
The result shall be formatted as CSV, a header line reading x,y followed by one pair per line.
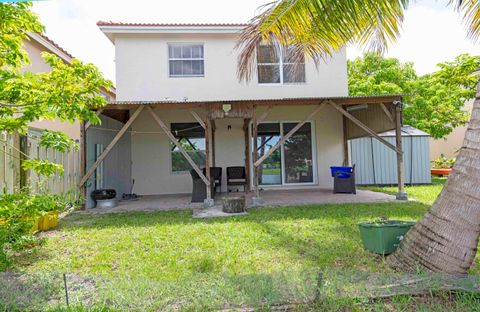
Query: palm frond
x,y
470,9
317,28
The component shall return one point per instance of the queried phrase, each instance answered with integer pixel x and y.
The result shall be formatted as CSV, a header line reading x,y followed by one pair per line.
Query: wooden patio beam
x,y
107,150
178,145
288,135
364,127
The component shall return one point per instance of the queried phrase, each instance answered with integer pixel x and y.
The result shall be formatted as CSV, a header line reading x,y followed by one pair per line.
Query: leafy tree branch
x,y
433,102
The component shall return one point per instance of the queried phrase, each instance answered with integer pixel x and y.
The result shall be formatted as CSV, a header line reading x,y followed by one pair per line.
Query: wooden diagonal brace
x,y
387,112
264,115
198,119
178,145
111,145
364,127
288,135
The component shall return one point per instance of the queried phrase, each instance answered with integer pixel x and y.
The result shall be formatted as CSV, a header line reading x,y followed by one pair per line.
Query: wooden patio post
x,y
256,192
246,131
345,141
208,202
401,195
213,129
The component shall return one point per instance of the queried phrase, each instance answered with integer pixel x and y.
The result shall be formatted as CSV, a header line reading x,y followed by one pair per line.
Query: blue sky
x,y
431,33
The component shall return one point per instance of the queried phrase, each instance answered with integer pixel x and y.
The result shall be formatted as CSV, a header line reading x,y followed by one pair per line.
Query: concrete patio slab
x,y
214,212
279,197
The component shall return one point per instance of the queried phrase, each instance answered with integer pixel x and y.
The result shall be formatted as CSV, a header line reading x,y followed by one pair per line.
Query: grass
x,y
167,260
421,193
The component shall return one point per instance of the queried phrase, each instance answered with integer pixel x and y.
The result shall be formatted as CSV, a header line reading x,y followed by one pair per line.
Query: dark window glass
x,y
191,137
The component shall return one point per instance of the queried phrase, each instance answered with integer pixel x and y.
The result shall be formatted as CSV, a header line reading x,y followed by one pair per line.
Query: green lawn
x,y
167,260
422,193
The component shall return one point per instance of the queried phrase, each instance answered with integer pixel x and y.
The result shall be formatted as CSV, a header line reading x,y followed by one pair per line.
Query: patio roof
x,y
341,100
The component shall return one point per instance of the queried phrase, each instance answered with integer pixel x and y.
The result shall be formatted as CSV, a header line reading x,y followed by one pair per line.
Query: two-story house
x,y
180,105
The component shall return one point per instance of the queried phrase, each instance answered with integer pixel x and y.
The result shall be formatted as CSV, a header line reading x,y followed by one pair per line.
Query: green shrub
x,y
443,162
19,212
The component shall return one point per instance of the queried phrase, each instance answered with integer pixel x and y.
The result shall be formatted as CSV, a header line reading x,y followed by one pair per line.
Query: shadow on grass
x,y
204,292
45,291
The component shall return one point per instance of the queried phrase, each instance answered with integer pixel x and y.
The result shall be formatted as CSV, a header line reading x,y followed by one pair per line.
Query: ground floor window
x,y
191,136
293,161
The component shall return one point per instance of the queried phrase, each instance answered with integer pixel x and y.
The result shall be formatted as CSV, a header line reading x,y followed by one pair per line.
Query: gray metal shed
x,y
375,164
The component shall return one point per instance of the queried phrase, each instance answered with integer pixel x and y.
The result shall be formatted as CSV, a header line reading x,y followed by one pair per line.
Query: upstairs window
x,y
276,66
186,60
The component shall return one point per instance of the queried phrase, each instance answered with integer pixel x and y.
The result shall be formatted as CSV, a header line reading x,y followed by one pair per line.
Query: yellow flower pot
x,y
47,221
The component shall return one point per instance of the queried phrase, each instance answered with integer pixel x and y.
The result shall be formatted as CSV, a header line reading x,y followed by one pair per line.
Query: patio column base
x,y
401,196
257,201
208,202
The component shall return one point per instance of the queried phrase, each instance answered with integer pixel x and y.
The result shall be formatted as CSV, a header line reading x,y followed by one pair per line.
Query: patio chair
x,y
216,176
199,189
236,176
344,180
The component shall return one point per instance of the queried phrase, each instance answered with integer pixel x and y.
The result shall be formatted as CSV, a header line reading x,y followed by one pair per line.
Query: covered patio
x,y
270,198
239,130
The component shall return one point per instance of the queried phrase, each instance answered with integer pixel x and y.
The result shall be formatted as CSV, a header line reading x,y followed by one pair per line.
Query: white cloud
x,y
431,33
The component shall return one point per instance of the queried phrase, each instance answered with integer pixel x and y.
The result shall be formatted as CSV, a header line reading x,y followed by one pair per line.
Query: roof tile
x,y
103,23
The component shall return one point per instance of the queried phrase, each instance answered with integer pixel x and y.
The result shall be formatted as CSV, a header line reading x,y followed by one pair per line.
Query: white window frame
x,y
185,59
284,183
281,63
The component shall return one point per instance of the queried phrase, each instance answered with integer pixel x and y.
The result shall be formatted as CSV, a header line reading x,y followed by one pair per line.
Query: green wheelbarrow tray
x,y
385,236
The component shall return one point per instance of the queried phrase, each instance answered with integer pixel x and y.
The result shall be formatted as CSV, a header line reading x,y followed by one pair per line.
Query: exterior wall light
x,y
226,108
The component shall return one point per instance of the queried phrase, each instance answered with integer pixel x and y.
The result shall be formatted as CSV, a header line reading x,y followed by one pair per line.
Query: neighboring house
x,y
451,144
178,82
10,173
37,44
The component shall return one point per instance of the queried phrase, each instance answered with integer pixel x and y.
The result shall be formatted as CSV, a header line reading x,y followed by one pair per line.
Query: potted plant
x,y
48,207
383,236
442,165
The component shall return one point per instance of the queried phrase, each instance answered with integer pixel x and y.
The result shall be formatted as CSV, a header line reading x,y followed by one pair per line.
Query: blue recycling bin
x,y
347,170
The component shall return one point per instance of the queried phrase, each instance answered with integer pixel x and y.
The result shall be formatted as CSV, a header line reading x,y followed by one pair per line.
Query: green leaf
x,y
57,140
42,166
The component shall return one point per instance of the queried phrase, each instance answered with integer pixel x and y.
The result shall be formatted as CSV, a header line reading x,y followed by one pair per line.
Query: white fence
x,y
14,148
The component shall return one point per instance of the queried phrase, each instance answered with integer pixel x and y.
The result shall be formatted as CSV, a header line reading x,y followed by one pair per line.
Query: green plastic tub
x,y
383,237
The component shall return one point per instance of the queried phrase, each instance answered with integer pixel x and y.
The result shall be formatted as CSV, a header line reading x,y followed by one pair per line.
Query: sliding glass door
x,y
293,161
270,172
297,151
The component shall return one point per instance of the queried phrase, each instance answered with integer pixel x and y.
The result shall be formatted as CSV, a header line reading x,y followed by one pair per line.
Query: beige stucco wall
x,y
37,65
151,151
452,142
142,72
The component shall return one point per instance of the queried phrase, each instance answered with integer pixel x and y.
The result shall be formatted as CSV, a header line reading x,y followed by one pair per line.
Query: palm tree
x,y
446,238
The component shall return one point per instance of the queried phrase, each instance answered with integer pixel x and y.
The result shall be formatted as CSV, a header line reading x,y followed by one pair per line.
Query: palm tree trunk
x,y
446,239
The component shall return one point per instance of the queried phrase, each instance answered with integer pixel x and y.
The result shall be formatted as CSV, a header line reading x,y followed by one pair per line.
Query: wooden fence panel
x,y
10,152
